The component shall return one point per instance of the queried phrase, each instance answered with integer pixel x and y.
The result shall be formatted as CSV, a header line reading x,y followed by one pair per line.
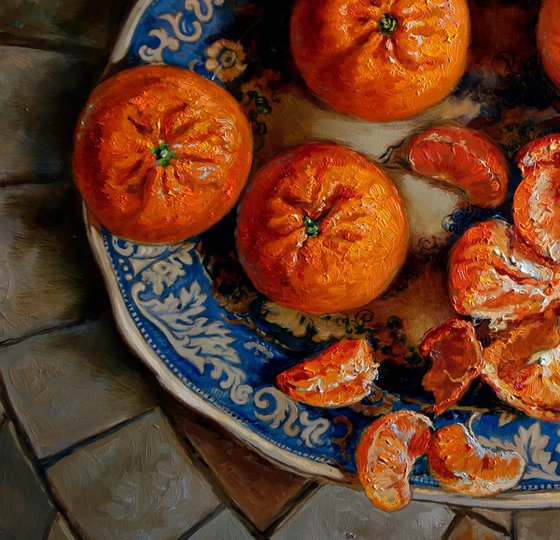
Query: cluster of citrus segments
x,y
390,446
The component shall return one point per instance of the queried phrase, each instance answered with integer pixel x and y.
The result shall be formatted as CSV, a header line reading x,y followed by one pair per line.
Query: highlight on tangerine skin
x,y
341,375
463,158
380,61
461,465
493,275
522,365
386,454
160,153
321,229
456,356
548,39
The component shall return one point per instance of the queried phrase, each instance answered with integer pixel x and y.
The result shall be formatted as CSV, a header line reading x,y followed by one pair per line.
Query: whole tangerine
x,y
383,60
548,39
160,153
321,229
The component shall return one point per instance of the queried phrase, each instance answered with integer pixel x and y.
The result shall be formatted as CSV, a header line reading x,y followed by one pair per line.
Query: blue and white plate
x,y
190,314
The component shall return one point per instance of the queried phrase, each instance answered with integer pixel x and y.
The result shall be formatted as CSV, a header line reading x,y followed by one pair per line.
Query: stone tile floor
x,y
90,446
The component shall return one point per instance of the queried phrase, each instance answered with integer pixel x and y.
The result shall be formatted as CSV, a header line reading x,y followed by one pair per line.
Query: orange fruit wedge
x,y
536,203
456,356
463,158
461,465
341,375
522,365
386,454
494,275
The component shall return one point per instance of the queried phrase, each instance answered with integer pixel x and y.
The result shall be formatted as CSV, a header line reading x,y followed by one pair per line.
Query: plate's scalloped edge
x,y
134,339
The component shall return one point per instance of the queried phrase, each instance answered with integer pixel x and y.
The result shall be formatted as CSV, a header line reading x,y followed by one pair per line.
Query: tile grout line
x,y
68,46
28,453
308,491
513,525
459,515
204,521
487,522
49,461
45,331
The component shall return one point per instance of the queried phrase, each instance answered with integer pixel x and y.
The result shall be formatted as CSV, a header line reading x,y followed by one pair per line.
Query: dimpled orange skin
x,y
380,60
494,275
548,39
341,375
464,158
456,356
461,465
386,454
161,154
536,203
321,229
522,365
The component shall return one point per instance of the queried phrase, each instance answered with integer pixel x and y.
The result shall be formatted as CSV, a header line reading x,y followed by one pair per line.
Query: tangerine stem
x,y
311,226
163,154
388,24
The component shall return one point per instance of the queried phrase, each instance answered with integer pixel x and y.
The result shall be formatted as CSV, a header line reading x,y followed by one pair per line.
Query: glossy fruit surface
x,y
494,275
522,365
456,356
386,454
321,229
463,158
160,153
461,465
548,39
382,60
341,375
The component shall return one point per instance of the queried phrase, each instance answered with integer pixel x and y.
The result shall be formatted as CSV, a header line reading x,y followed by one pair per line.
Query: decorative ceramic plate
x,y
190,314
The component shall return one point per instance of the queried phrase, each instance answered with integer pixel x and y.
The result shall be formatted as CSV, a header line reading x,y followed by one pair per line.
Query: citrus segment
x,y
522,365
386,454
461,465
456,356
463,158
341,375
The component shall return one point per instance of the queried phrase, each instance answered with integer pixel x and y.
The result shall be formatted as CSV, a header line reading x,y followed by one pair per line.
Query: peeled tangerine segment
x,y
543,152
463,158
523,366
386,454
536,211
341,375
456,356
461,465
494,275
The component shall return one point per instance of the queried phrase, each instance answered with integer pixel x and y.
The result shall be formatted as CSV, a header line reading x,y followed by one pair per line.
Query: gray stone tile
x,y
226,526
137,483
47,275
81,21
340,513
40,96
537,524
73,384
25,509
60,530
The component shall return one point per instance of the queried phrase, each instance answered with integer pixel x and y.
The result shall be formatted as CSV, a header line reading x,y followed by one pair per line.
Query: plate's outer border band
x,y
132,336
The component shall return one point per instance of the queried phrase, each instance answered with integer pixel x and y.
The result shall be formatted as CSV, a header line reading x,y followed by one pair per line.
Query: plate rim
x,y
510,500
